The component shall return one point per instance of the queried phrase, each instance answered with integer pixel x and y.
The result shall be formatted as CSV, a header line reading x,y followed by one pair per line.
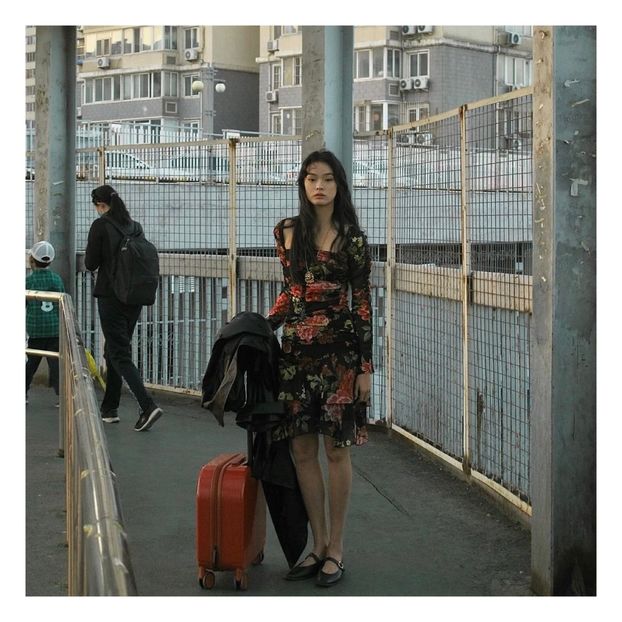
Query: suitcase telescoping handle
x,y
249,444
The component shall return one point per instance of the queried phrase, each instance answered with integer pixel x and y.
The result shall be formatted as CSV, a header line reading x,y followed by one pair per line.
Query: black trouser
x,y
32,364
118,321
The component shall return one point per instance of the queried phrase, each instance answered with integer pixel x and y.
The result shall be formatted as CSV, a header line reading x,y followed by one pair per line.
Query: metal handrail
x,y
98,557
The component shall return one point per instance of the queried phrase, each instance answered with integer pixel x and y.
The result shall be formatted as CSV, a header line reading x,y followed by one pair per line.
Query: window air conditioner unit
x,y
420,84
79,112
191,54
512,38
422,138
272,96
424,29
103,62
406,84
409,31
273,46
511,142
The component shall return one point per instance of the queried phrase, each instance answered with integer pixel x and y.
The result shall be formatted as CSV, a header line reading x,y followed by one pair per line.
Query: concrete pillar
x,y
327,53
563,340
55,118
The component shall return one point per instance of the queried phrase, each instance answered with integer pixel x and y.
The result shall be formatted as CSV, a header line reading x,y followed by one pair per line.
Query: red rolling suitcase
x,y
231,519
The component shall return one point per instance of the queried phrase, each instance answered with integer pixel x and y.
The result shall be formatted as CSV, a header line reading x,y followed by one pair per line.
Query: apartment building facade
x,y
143,75
400,73
146,76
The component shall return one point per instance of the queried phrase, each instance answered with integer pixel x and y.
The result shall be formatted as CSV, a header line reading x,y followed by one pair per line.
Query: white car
x,y
125,165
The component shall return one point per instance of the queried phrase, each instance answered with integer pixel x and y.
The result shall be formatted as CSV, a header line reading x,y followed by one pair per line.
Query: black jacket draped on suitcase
x,y
242,377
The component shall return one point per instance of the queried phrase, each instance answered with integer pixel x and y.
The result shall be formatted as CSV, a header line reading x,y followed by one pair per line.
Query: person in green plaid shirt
x,y
42,316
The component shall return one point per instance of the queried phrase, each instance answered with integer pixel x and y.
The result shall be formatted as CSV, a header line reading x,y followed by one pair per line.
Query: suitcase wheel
x,y
207,579
258,559
240,580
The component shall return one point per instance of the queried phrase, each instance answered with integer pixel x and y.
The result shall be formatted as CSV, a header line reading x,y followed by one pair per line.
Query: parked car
x,y
125,165
201,167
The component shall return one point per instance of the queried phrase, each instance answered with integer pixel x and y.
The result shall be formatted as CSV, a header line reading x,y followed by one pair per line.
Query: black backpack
x,y
135,271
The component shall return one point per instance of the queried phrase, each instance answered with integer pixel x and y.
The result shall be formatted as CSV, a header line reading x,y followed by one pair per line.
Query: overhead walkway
x,y
414,529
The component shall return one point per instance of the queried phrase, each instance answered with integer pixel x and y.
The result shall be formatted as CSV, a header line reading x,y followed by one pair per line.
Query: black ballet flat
x,y
326,579
299,572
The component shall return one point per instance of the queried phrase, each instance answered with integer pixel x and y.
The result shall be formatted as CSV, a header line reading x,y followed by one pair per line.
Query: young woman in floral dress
x,y
326,363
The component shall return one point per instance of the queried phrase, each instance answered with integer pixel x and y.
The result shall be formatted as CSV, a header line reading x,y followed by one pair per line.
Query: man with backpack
x,y
127,278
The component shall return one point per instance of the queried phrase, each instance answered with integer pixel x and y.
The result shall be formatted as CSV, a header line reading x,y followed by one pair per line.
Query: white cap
x,y
43,251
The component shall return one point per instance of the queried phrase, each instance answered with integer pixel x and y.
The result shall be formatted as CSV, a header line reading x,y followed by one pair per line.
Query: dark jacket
x,y
243,368
102,242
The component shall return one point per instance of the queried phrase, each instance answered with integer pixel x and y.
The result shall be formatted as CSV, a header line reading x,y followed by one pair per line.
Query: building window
x,y
127,86
517,71
275,123
128,40
393,115
131,40
102,47
275,75
141,85
360,123
394,62
418,64
103,89
291,123
373,117
510,122
189,78
375,120
156,90
116,42
191,38
362,64
291,71
284,30
418,113
191,129
146,39
170,38
169,84
378,62
297,70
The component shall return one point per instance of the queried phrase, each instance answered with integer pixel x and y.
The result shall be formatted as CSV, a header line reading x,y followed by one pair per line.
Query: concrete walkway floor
x,y
414,529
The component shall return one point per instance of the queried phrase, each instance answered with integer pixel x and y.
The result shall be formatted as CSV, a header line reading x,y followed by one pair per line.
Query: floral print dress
x,y
326,342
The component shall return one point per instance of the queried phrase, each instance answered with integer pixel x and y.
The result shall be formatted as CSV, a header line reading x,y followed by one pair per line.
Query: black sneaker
x,y
112,416
147,419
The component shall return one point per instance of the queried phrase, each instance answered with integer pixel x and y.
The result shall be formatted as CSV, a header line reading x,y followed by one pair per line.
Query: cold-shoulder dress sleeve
x,y
359,269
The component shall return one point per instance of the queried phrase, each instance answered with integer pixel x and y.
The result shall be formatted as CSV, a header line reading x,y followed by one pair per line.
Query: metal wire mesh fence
x,y
447,207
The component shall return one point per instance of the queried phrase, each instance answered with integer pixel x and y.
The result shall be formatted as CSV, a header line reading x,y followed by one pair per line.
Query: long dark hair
x,y
303,250
108,195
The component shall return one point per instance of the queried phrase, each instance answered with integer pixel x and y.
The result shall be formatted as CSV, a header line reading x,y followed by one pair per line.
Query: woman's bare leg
x,y
310,480
339,488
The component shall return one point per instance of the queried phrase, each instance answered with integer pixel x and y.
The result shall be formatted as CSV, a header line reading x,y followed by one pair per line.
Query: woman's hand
x,y
362,388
